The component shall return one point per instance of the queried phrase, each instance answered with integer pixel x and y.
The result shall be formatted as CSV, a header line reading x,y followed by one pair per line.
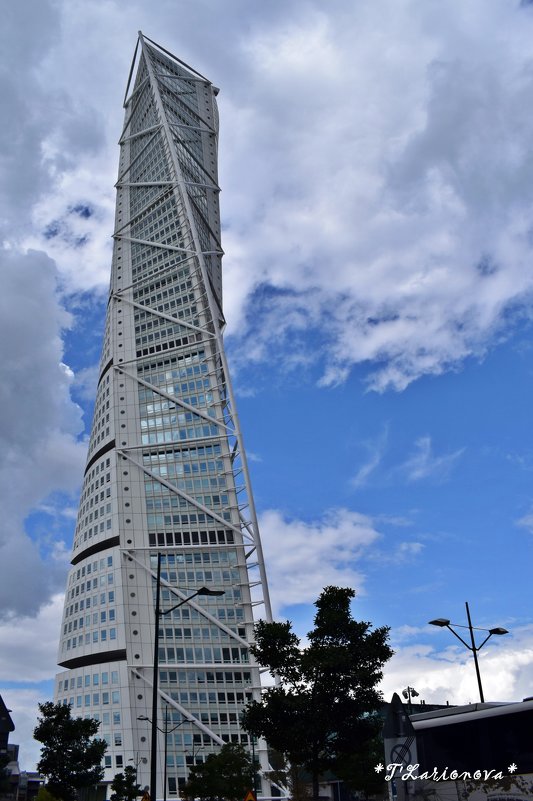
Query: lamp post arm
x,y
479,647
169,731
164,731
184,601
460,638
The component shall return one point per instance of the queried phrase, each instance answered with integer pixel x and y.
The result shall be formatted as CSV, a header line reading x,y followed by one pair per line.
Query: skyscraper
x,y
166,471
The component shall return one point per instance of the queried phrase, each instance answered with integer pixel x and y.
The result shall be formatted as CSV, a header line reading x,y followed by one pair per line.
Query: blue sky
x,y
377,177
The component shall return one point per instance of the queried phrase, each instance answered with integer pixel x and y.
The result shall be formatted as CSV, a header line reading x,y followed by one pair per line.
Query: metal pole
x,y
166,746
153,755
254,775
474,651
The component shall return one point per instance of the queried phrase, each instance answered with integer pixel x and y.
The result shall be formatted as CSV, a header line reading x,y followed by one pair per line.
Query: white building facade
x,y
166,470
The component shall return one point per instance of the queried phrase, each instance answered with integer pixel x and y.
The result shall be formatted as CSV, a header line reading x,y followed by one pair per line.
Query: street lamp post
x,y
137,761
166,731
159,613
444,623
409,693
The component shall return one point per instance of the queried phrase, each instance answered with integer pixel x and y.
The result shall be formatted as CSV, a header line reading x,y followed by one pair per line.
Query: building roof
x,y
6,723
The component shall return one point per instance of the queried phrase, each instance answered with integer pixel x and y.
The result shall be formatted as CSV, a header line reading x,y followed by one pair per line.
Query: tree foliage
x,y
324,710
45,795
124,786
228,775
70,756
4,774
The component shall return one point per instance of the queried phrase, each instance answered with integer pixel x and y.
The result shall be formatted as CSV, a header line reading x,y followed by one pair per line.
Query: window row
x,y
180,434
208,633
95,619
188,485
98,635
167,281
194,697
95,699
91,567
203,655
202,576
194,677
92,584
192,519
185,537
88,603
89,679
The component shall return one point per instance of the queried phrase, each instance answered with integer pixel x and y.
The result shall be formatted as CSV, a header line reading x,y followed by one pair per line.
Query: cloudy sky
x,y
377,174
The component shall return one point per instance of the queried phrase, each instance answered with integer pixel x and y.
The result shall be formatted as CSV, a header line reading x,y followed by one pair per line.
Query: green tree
x,y
45,795
228,774
124,786
70,756
4,775
357,769
325,707
288,776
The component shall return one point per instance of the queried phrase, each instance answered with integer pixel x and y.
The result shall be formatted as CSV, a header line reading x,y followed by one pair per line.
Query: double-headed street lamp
x,y
159,613
409,693
445,624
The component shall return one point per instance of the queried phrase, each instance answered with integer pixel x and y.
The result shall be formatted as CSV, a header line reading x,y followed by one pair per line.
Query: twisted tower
x,y
166,472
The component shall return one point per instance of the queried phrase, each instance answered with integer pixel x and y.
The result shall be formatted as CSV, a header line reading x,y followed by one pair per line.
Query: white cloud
x,y
376,449
28,654
24,706
423,463
28,644
86,382
304,557
406,550
526,522
390,143
39,426
399,179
